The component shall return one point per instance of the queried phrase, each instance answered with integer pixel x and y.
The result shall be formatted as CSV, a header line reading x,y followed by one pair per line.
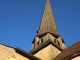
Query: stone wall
x,y
76,58
48,53
18,56
7,53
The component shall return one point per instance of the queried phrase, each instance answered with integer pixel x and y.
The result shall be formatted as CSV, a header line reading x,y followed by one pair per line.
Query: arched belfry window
x,y
55,40
58,43
40,41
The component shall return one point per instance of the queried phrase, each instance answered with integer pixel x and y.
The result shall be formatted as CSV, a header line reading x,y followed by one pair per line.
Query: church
x,y
48,44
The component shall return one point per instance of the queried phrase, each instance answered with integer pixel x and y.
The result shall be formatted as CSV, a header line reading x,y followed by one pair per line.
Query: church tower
x,y
47,43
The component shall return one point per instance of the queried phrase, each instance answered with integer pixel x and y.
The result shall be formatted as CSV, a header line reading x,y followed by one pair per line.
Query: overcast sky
x,y
20,19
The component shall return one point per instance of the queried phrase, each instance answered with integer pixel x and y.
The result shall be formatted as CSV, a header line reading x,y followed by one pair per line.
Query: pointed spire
x,y
47,22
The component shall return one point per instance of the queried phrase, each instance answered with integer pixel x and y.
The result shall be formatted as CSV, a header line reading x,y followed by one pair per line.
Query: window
x,y
58,43
38,43
41,40
55,40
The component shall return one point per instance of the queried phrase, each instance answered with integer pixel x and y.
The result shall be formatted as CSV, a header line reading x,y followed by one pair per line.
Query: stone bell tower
x,y
47,43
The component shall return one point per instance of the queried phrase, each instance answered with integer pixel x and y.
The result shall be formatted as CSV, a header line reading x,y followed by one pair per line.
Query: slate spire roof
x,y
48,23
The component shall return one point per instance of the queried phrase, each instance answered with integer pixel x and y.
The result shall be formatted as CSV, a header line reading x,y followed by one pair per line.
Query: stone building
x,y
46,45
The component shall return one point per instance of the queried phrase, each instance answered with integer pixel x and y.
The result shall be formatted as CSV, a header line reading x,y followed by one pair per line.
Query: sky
x,y
20,20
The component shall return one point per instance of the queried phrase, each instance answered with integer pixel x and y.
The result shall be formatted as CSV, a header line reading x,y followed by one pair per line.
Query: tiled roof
x,y
69,51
